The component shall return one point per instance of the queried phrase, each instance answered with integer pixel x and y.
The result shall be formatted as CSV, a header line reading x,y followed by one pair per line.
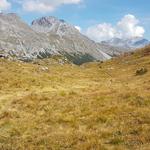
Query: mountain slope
x,y
48,36
18,39
67,39
94,106
112,50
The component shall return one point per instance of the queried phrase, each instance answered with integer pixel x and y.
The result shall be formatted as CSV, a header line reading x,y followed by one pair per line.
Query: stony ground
x,y
96,106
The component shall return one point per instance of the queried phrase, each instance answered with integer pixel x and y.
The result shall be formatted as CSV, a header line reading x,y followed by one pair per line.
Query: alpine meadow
x,y
74,75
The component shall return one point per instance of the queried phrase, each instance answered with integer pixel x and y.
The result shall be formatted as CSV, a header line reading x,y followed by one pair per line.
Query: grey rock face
x,y
112,51
18,39
53,25
67,39
46,36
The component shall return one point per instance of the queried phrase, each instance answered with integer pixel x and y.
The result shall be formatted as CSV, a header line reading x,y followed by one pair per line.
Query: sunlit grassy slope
x,y
96,106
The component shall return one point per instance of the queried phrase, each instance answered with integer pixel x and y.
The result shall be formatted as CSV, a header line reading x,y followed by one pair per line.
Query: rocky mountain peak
x,y
45,21
53,25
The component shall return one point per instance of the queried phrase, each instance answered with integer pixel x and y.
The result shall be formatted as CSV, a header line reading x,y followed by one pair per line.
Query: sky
x,y
98,19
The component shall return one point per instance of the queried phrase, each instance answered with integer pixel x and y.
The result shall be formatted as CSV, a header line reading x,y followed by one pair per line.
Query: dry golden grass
x,y
96,106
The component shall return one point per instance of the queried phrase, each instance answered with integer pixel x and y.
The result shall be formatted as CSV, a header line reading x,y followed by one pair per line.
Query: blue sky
x,y
90,15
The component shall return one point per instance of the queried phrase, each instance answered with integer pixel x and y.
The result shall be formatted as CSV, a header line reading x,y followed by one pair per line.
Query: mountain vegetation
x,y
54,104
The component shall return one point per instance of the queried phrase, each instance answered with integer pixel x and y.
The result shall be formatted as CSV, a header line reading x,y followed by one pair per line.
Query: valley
x,y
46,104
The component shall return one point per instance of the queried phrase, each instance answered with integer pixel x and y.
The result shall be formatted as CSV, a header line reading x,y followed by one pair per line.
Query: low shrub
x,y
141,71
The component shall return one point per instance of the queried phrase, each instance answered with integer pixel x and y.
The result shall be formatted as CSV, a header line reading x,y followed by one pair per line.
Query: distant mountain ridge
x,y
131,43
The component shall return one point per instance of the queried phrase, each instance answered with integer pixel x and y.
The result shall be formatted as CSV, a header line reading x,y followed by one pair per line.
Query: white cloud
x,y
78,28
44,6
4,5
37,6
127,27
101,32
